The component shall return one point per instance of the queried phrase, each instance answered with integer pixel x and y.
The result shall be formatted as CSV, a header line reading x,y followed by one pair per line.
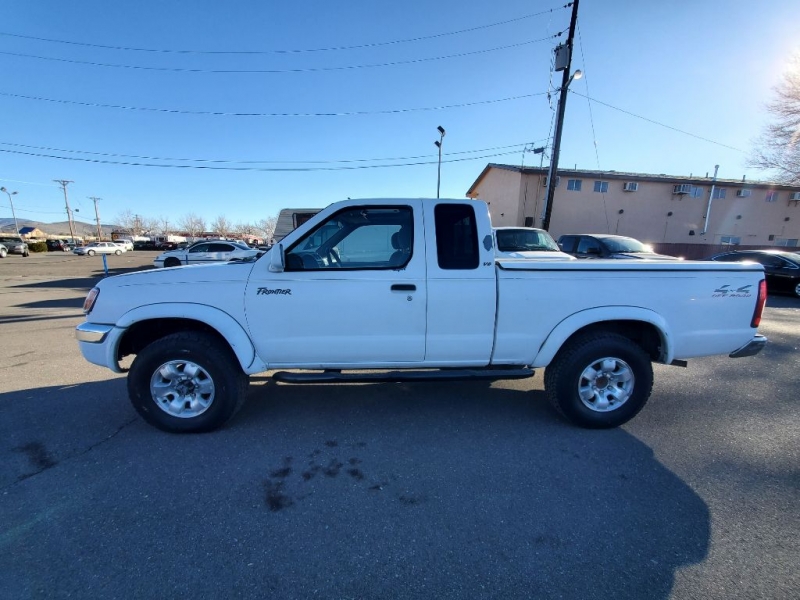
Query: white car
x,y
127,244
205,252
99,248
528,243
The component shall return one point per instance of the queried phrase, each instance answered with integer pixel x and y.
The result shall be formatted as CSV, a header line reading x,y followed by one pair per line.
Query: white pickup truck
x,y
395,290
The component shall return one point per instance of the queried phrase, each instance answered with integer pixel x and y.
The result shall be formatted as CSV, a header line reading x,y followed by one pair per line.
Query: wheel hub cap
x,y
606,384
182,389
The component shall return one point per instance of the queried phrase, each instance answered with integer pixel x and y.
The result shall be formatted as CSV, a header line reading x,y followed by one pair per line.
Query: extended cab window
x,y
456,236
356,238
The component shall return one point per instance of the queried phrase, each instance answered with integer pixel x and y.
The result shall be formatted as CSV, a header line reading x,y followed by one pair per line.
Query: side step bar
x,y
337,376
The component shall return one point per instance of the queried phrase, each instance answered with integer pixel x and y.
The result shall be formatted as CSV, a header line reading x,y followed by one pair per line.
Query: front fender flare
x,y
228,327
561,333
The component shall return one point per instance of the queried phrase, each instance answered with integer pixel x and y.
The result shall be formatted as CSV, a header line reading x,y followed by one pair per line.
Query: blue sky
x,y
704,67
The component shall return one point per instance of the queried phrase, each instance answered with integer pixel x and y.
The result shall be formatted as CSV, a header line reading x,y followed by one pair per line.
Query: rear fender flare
x,y
562,332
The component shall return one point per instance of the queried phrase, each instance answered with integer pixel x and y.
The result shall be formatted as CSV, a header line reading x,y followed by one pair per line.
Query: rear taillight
x,y
88,304
762,300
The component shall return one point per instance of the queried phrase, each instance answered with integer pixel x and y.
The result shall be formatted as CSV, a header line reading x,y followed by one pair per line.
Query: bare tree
x,y
125,220
266,227
149,225
192,224
163,225
779,145
222,226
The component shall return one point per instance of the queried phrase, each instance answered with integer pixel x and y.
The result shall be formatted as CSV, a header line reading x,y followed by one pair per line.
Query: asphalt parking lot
x,y
437,490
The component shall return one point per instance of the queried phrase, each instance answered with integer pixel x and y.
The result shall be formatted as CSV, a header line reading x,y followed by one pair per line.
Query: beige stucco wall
x,y
645,213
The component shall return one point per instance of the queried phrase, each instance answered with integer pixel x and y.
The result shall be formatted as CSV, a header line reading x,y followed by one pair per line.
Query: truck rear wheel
x,y
599,380
187,382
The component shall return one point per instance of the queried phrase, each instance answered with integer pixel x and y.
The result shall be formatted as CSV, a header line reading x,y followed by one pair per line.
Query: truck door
x,y
462,289
352,291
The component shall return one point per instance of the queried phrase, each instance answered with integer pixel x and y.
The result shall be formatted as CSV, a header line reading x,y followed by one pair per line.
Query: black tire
x,y
118,252
565,375
172,262
90,253
3,252
217,363
26,253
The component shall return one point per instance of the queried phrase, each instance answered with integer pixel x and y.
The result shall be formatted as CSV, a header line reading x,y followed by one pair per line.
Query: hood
x,y
210,273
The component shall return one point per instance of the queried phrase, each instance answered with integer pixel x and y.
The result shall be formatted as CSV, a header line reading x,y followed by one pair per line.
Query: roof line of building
x,y
699,180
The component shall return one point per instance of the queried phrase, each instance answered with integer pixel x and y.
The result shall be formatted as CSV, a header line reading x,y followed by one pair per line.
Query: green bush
x,y
37,247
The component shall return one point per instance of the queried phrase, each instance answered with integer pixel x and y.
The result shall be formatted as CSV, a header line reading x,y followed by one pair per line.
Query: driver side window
x,y
356,238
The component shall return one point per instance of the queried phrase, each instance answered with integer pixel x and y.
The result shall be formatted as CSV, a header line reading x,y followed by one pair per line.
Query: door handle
x,y
403,287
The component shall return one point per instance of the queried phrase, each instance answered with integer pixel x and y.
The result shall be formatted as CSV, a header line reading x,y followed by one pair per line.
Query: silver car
x,y
14,245
99,248
205,252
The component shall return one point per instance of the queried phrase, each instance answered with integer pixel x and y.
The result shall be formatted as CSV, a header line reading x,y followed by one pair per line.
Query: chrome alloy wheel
x,y
182,389
606,384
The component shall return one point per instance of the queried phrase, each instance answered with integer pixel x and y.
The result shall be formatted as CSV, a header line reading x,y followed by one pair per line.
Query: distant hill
x,y
58,229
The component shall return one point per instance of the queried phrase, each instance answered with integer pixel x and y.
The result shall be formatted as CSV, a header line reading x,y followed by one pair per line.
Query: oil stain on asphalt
x,y
282,479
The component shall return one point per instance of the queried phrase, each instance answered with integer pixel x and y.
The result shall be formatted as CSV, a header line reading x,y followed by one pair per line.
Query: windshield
x,y
624,244
524,240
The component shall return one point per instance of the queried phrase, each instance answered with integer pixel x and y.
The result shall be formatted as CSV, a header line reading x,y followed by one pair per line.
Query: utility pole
x,y
562,105
64,183
97,217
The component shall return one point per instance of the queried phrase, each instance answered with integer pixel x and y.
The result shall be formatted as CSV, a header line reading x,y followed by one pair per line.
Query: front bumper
x,y
98,344
751,348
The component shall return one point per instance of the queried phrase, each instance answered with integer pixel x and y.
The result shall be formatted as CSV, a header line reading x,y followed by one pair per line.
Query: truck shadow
x,y
350,490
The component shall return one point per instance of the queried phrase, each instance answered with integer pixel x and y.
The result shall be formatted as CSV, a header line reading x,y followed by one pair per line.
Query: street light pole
x,y
439,169
562,105
11,202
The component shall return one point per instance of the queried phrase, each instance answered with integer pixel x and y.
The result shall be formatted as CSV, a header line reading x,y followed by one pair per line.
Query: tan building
x,y
666,211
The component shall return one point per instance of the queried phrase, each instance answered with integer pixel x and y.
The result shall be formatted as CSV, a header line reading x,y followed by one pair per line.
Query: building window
x,y
696,192
601,186
719,193
574,185
772,196
790,242
730,240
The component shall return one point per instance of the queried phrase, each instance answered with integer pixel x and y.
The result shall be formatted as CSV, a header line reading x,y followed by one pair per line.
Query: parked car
x,y
165,246
57,246
782,269
528,243
99,248
144,245
599,245
14,245
205,252
127,244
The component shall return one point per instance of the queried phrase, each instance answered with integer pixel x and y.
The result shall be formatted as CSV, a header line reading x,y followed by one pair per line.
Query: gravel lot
x,y
441,490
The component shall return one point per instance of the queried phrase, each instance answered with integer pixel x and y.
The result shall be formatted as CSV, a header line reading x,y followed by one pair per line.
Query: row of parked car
x,y
781,268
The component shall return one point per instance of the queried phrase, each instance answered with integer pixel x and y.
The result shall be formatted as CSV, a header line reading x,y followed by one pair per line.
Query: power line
x,y
276,71
246,114
284,51
654,122
257,162
261,169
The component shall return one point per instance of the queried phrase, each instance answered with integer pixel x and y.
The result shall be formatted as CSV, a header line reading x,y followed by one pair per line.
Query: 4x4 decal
x,y
725,292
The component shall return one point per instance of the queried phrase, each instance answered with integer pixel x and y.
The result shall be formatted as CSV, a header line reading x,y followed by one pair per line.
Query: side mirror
x,y
276,264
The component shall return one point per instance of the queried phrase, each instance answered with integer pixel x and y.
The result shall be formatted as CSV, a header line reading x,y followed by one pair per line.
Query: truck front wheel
x,y
187,382
599,380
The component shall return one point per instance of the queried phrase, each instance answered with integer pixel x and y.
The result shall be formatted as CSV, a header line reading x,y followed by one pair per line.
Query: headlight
x,y
88,304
